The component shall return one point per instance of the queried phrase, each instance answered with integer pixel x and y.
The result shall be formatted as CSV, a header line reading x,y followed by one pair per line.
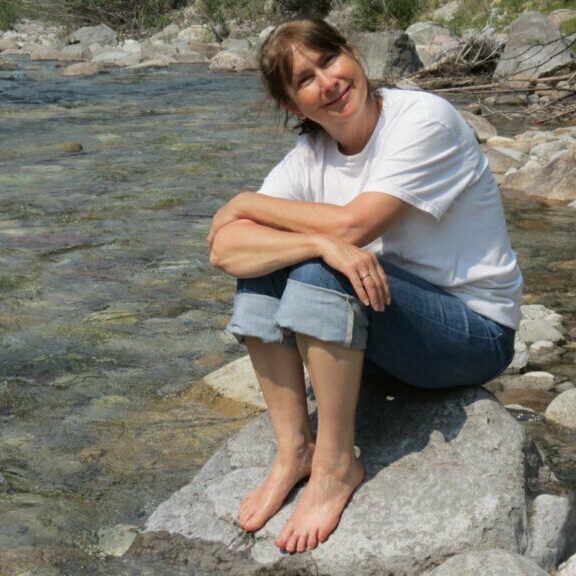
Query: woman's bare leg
x,y
281,376
336,472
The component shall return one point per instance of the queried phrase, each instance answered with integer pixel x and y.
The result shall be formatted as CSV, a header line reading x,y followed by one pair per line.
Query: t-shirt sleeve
x,y
427,158
287,179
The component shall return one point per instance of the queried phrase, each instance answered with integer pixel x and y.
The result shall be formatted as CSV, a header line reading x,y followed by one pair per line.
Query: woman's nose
x,y
327,81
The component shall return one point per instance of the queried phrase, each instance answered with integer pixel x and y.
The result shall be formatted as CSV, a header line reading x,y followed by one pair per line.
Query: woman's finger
x,y
386,287
359,288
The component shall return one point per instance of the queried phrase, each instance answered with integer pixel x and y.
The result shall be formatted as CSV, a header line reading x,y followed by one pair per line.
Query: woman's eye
x,y
303,80
328,60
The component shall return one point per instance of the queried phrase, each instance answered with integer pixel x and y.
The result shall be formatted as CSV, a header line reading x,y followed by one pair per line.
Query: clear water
x,y
109,310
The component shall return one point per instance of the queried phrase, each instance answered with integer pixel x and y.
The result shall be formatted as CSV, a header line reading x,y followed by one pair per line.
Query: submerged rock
x,y
446,472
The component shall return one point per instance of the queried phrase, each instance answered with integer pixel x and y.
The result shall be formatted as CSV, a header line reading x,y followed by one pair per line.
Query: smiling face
x,y
328,88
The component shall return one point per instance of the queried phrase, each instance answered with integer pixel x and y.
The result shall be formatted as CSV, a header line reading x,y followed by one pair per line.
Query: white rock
x,y
155,63
536,381
110,56
520,360
538,311
238,382
115,540
562,410
572,205
265,33
568,568
233,61
539,329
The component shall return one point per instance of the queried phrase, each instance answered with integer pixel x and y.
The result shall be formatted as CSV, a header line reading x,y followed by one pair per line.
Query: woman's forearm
x,y
358,222
245,249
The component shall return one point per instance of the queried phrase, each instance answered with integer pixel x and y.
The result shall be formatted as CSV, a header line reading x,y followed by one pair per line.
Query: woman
x,y
380,235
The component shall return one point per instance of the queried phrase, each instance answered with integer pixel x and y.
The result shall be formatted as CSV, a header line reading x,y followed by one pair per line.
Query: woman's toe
x,y
302,544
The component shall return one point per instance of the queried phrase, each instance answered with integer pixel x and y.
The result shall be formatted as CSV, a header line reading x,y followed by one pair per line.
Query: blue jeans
x,y
426,337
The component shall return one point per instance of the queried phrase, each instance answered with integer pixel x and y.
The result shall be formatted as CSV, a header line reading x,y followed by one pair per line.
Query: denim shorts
x,y
426,337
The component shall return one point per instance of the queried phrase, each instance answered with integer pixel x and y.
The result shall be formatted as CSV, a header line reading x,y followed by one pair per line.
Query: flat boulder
x,y
446,472
535,47
388,55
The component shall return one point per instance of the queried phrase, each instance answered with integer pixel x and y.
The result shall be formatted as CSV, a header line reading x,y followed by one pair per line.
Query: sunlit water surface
x,y
109,310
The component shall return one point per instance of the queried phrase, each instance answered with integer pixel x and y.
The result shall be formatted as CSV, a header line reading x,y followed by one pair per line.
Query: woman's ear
x,y
292,109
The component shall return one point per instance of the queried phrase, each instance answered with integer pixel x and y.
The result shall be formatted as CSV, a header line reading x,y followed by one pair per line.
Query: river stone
x,y
388,55
488,563
81,69
562,410
102,34
154,63
112,56
233,61
482,128
568,568
535,48
552,530
446,471
534,381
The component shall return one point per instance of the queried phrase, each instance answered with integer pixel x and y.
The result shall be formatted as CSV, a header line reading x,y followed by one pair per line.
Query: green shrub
x,y
375,14
8,15
569,27
127,15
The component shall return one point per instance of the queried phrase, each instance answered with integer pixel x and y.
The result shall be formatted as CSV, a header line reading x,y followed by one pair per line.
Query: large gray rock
x,y
535,47
488,563
553,530
101,34
387,55
446,472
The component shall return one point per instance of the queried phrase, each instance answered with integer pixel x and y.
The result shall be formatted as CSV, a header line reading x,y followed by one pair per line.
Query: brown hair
x,y
276,57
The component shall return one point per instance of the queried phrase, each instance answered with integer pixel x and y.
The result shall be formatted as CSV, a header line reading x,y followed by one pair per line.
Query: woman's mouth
x,y
338,99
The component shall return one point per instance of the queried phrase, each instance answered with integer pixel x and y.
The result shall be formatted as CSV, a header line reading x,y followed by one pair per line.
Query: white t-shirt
x,y
424,153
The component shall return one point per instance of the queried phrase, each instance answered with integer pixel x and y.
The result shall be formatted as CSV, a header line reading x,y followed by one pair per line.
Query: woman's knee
x,y
317,273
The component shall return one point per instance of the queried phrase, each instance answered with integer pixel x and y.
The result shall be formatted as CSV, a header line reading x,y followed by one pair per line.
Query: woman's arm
x,y
245,249
358,222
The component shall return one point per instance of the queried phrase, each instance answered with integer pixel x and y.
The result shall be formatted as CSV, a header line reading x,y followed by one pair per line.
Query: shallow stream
x,y
109,310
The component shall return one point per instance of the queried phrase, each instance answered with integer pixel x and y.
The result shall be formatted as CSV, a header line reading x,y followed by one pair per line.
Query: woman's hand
x,y
361,268
230,212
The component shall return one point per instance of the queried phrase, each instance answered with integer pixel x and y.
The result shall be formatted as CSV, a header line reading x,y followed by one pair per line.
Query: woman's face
x,y
327,88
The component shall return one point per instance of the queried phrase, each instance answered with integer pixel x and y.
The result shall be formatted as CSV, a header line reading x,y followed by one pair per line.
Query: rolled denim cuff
x,y
253,315
326,314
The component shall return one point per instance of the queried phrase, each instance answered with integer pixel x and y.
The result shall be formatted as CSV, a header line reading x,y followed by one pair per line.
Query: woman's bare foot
x,y
261,504
319,509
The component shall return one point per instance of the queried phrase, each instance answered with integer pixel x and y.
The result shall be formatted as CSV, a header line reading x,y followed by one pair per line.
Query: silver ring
x,y
364,275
